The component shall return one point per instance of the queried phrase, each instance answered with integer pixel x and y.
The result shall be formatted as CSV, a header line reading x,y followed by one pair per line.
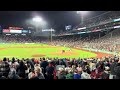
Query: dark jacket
x,y
105,75
21,69
13,75
44,64
31,64
112,66
117,71
4,68
50,70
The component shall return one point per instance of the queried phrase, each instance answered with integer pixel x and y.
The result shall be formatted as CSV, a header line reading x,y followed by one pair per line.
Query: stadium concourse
x,y
101,35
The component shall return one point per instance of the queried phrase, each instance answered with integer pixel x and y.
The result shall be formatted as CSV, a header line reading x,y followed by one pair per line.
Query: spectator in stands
x,y
61,74
85,75
117,70
21,69
112,71
3,77
4,68
93,74
50,71
31,74
39,73
30,62
28,69
106,73
73,68
79,68
88,69
43,65
13,75
70,75
77,75
68,68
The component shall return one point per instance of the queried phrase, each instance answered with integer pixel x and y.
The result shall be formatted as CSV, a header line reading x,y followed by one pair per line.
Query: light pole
x,y
82,13
51,33
49,30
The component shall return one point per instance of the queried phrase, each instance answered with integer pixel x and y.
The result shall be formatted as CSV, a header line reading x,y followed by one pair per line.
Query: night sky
x,y
55,19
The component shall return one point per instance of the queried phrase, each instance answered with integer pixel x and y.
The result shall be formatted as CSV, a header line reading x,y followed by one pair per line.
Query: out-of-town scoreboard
x,y
16,30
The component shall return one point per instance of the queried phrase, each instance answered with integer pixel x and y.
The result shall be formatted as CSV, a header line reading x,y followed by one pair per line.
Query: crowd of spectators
x,y
107,42
21,39
104,20
100,19
64,68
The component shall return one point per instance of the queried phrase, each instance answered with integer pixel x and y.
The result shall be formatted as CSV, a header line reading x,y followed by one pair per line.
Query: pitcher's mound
x,y
2,48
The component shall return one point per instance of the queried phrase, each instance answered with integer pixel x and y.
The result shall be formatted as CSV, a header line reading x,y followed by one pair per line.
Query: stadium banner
x,y
115,20
15,31
117,26
81,28
25,31
6,31
47,30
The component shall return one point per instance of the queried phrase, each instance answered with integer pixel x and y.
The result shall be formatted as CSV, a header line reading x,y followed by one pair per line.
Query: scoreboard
x,y
16,31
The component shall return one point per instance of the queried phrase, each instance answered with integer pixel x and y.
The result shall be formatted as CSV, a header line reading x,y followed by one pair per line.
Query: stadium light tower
x,y
82,13
37,20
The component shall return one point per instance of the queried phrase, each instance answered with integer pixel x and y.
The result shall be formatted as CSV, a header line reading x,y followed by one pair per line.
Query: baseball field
x,y
42,50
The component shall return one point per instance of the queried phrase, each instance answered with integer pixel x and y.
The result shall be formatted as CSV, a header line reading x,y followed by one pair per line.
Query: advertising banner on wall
x,y
15,31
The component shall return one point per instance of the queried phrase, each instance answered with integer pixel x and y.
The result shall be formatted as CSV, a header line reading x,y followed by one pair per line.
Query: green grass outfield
x,y
41,50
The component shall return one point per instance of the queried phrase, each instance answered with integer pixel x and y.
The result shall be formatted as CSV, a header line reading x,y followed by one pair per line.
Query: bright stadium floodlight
x,y
82,13
37,19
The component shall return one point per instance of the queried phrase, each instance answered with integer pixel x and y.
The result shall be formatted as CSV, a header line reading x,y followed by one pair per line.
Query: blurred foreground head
x,y
4,59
